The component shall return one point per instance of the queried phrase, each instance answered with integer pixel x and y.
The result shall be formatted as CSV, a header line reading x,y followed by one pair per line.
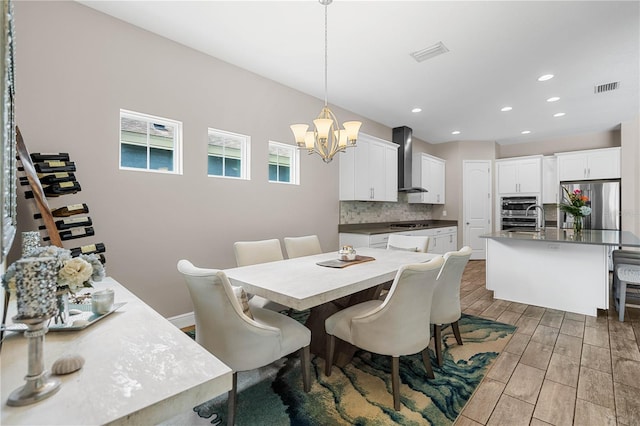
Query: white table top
x,y
301,284
139,369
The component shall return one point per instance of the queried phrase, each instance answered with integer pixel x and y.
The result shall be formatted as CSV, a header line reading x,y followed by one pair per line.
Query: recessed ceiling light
x,y
553,99
558,114
416,110
505,109
455,132
525,132
545,77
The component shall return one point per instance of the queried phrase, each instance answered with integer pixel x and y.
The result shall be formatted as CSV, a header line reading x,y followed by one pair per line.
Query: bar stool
x,y
628,278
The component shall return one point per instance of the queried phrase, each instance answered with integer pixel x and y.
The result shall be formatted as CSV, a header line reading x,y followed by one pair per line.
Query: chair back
x,y
408,242
221,327
400,325
302,246
446,298
254,252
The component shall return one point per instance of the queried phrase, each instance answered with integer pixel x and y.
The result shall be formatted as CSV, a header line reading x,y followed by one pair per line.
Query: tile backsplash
x,y
352,212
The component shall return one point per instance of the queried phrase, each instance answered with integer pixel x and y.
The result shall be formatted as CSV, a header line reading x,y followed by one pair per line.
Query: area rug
x,y
360,393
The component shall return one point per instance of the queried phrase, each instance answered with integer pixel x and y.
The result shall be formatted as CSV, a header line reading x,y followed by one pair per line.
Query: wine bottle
x,y
57,189
55,166
88,249
49,178
74,233
66,211
74,222
69,223
60,156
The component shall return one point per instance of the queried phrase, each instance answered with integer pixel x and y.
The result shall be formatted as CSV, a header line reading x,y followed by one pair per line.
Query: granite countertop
x,y
386,227
587,236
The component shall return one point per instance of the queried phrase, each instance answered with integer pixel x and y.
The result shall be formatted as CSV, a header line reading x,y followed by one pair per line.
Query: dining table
x,y
305,283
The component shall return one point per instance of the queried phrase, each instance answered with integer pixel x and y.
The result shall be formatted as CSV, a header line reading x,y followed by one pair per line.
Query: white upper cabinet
x,y
369,172
428,173
550,183
520,175
591,164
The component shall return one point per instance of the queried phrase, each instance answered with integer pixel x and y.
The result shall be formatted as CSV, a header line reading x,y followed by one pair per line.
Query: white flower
x,y
585,210
75,273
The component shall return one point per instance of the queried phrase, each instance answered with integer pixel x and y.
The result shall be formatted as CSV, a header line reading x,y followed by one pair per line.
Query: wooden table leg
x,y
315,322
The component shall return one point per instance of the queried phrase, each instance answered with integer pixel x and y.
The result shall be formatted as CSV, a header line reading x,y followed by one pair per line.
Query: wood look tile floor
x,y
559,368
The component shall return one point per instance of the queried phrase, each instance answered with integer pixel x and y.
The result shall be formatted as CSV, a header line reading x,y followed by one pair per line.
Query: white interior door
x,y
476,205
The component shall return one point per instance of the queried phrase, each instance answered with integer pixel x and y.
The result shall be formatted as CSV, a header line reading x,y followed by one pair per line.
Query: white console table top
x,y
139,369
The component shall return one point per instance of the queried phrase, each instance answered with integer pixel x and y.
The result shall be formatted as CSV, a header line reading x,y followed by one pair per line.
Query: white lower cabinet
x,y
441,240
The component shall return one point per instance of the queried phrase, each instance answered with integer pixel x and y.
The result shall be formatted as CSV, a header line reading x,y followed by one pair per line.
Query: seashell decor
x,y
67,364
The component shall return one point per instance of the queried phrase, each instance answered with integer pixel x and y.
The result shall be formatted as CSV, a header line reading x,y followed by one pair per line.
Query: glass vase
x,y
62,303
577,224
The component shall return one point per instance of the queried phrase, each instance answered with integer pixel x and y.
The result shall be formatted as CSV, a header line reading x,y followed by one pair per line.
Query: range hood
x,y
402,136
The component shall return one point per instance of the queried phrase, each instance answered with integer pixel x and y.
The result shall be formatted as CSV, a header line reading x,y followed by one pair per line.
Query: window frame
x,y
245,154
153,119
294,173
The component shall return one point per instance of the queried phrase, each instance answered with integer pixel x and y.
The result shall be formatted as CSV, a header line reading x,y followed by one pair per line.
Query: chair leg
x,y
427,363
395,381
622,285
328,359
231,404
437,342
456,332
305,365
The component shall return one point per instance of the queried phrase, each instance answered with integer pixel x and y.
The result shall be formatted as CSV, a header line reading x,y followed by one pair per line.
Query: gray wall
x,y
75,69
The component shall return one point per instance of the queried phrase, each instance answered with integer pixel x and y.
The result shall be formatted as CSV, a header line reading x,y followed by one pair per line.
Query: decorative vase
x,y
62,303
36,287
577,224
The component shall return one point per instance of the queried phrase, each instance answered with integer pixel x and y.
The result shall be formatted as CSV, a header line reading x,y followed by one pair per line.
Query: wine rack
x,y
52,175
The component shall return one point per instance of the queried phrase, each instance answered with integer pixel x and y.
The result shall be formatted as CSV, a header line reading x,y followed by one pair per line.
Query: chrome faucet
x,y
537,206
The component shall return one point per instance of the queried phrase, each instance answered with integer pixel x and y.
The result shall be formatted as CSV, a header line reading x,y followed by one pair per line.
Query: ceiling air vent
x,y
601,88
422,55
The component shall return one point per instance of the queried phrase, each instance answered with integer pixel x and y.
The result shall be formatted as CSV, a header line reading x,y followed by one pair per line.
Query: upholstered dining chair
x,y
241,341
395,326
254,252
408,242
302,246
626,280
445,308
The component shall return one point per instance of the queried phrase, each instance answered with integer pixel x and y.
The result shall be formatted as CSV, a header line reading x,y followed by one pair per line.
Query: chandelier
x,y
327,139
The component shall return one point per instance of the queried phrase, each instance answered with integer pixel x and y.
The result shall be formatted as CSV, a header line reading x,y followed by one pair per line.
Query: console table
x,y
139,369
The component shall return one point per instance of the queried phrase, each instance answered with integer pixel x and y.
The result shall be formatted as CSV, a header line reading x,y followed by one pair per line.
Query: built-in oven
x,y
514,213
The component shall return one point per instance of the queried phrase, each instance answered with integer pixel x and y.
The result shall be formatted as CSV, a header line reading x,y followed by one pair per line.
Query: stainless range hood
x,y
402,136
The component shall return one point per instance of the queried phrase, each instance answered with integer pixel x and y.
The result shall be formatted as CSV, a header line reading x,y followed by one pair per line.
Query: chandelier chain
x,y
326,55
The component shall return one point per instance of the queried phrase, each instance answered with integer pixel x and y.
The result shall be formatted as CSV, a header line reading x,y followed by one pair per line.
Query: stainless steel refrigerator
x,y
604,200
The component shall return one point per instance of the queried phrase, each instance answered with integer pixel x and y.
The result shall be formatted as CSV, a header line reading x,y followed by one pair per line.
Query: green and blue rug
x,y
360,393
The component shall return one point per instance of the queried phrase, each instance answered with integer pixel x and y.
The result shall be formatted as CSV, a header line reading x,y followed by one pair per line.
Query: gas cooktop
x,y
407,225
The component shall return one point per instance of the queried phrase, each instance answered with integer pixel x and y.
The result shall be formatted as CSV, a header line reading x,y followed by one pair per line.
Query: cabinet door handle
x,y
585,172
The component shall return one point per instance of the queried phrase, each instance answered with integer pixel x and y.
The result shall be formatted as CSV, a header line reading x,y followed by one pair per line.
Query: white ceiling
x,y
496,52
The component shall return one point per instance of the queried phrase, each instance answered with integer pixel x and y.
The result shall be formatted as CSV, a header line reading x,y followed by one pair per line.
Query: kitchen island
x,y
554,268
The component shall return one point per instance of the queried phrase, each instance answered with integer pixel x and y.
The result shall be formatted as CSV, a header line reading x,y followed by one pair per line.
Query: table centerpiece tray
x,y
85,315
339,263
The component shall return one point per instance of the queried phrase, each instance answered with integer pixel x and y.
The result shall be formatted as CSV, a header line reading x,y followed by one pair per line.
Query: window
x,y
283,163
150,143
228,154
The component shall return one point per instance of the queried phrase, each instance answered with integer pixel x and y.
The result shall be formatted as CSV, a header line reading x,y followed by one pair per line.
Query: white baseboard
x,y
183,320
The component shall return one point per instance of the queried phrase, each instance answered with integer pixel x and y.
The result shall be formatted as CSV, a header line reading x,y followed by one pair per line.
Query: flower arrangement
x,y
73,273
576,207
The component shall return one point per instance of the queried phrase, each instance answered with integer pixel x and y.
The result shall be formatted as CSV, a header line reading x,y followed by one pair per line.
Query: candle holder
x,y
30,241
40,384
36,303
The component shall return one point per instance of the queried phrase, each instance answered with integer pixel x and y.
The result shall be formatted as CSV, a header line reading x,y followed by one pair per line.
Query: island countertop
x,y
587,236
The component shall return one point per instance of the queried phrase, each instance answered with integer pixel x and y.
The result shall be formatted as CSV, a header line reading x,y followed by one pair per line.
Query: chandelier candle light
x,y
327,139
